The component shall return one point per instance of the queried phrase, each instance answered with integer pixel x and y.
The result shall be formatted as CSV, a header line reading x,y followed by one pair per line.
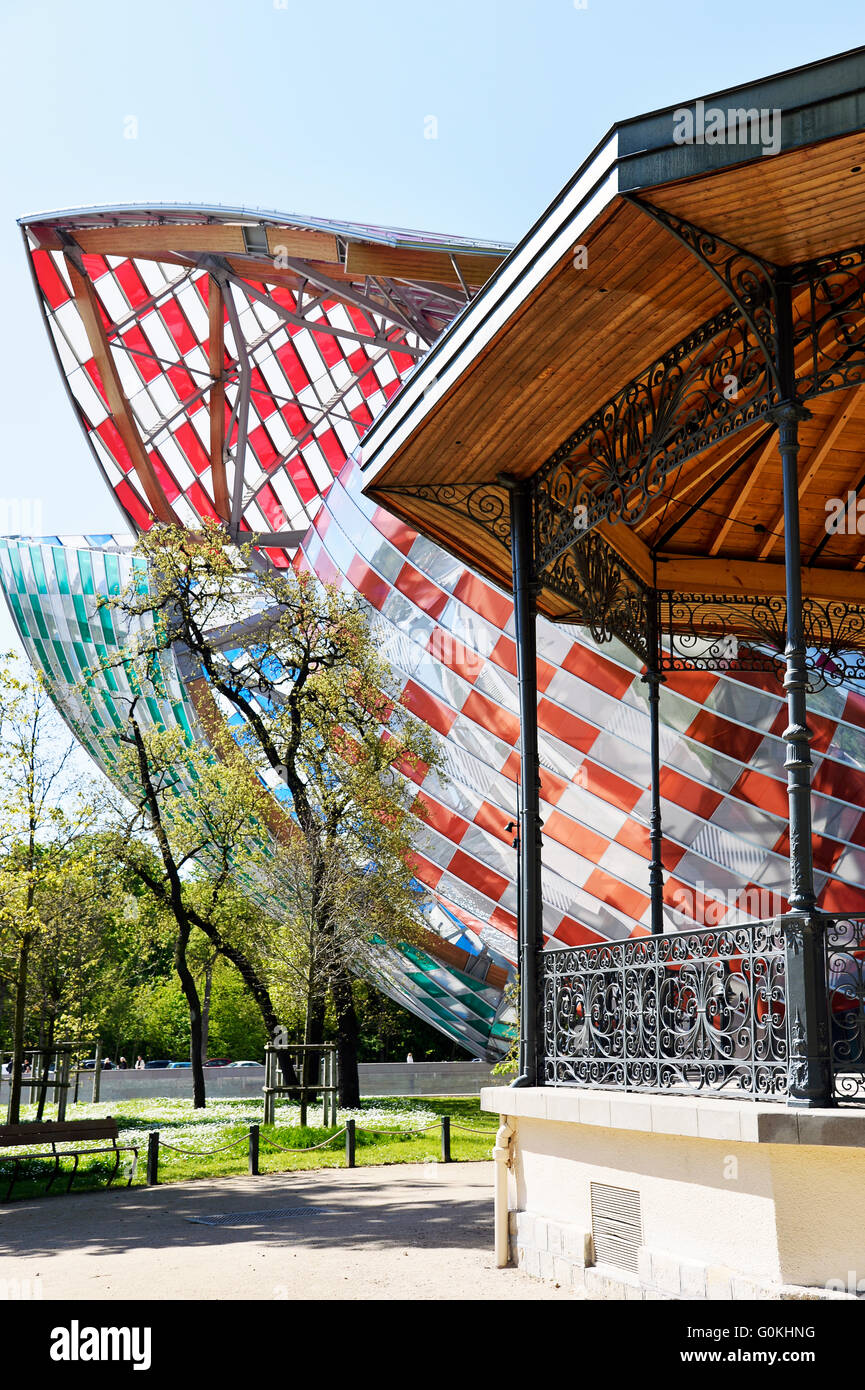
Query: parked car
x,y
173,1065
245,1064
218,1062
163,1062
90,1063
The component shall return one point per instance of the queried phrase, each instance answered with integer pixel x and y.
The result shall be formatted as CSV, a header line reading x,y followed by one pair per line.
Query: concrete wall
x,y
376,1079
738,1199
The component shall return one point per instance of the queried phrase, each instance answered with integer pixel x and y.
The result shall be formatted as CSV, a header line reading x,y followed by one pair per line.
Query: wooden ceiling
x,y
582,335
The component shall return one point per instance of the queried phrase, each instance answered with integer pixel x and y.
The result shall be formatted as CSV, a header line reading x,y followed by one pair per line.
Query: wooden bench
x,y
55,1132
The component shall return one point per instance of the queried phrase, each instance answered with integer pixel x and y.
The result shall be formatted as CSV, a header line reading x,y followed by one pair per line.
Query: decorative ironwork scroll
x,y
833,326
845,974
711,384
723,632
607,596
835,634
716,381
691,1012
749,280
485,504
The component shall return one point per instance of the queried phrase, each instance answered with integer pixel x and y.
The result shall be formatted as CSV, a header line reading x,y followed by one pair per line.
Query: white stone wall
x,y
738,1200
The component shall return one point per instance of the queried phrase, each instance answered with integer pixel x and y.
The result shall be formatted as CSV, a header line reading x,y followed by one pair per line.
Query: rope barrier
x,y
409,1132
311,1148
203,1153
282,1148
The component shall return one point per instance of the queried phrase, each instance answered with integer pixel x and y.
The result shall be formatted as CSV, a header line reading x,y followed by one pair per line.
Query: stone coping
x,y
696,1117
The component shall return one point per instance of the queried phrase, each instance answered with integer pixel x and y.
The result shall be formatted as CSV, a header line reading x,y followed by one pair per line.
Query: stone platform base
x,y
563,1254
647,1197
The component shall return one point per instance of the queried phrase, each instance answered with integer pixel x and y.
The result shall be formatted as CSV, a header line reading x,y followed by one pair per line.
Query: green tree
x,y
38,818
318,710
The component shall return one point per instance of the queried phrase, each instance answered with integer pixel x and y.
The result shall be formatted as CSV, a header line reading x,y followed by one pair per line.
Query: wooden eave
x,y
577,337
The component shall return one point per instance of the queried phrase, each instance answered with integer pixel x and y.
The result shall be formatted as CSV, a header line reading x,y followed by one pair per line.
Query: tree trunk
x,y
313,1032
205,1012
14,1112
346,1041
47,1045
187,984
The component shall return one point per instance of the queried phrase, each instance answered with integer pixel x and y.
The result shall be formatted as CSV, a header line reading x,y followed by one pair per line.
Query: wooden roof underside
x,y
582,335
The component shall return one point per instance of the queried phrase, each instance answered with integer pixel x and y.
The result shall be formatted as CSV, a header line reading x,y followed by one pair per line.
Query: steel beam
x,y
810,1075
530,905
654,679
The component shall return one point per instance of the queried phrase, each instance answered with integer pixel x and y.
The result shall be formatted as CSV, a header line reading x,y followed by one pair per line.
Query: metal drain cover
x,y
246,1218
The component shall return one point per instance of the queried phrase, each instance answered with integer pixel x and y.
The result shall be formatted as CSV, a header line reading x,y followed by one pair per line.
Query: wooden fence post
x,y
153,1158
446,1138
253,1150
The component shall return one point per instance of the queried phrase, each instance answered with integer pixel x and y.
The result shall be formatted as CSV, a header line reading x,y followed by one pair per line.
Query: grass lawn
x,y
392,1129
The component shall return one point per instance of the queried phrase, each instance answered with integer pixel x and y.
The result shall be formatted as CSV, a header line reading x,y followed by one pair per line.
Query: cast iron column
x,y
530,903
810,1078
654,680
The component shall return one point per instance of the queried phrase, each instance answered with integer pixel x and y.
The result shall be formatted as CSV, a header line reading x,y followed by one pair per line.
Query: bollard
x,y
446,1138
153,1158
349,1143
63,1091
253,1151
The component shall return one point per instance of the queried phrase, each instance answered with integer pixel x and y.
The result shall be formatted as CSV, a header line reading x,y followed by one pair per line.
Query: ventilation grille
x,y
617,1226
256,1218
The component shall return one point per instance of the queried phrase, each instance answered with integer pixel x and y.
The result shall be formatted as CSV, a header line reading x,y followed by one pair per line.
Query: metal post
x,y
446,1138
810,1077
63,1093
153,1158
530,906
253,1150
269,1096
654,680
97,1073
349,1143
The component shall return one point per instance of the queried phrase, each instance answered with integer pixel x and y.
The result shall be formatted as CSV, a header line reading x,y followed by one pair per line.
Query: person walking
x,y
139,1064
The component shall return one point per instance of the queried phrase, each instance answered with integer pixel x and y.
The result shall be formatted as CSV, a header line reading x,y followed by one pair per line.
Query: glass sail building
x,y
225,364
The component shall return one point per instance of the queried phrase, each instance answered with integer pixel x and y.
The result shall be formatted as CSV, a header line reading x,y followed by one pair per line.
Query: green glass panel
x,y
81,616
60,570
85,569
15,605
63,661
112,573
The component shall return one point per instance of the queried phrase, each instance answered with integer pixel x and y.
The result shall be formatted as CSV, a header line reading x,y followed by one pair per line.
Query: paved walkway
x,y
420,1231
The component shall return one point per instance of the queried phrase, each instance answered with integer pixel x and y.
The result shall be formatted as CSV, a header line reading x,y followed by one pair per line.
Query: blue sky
x,y
319,106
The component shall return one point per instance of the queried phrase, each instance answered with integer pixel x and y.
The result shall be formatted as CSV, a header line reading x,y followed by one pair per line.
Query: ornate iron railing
x,y
695,1011
702,1011
845,975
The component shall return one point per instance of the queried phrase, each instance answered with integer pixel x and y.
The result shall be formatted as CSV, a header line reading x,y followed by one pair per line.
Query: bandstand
x,y
651,423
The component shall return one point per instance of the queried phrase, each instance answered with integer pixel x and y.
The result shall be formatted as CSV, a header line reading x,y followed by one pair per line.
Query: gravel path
x,y
420,1231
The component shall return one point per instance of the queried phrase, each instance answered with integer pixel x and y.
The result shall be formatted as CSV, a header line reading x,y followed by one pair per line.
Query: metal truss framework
x,y
225,365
